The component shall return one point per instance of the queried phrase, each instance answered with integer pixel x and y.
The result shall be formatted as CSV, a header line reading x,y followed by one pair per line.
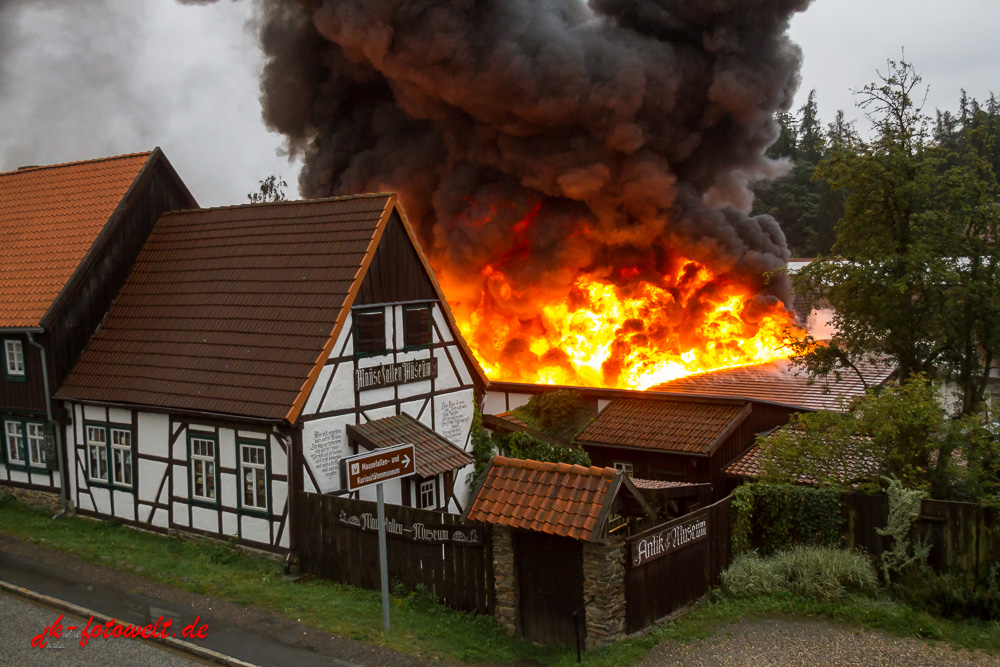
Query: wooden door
x,y
550,587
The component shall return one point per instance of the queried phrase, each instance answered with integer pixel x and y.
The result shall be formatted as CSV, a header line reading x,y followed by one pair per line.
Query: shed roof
x,y
233,310
665,425
434,453
555,498
50,218
779,382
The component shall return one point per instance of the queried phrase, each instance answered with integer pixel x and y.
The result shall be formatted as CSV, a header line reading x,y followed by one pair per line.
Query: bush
x,y
773,517
952,595
822,573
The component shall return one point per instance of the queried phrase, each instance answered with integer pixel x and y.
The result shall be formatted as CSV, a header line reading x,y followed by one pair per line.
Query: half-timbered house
x,y
251,349
69,234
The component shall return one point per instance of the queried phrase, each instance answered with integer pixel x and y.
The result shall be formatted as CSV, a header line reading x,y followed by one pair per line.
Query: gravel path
x,y
791,643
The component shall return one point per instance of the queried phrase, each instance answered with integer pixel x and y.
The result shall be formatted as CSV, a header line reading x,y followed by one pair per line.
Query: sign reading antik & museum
x,y
670,538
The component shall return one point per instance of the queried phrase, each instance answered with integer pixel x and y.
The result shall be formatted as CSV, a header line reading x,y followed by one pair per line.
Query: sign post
x,y
377,467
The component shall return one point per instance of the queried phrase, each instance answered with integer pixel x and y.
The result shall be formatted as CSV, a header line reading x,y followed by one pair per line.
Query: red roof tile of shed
x,y
434,453
229,310
555,498
779,382
673,426
49,219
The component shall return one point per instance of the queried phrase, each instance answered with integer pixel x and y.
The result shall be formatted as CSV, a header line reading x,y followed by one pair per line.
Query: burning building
x,y
577,171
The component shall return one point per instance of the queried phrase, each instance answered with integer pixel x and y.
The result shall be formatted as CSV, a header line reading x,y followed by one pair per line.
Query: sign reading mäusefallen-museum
x,y
669,539
378,466
388,375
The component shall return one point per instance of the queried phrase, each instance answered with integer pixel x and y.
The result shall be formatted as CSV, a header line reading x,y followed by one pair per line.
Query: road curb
x,y
173,643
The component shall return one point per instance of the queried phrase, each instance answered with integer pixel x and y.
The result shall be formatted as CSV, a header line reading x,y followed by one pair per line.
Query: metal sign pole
x,y
383,559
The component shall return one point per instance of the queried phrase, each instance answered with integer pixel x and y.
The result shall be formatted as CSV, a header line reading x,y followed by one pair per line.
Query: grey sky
x,y
88,79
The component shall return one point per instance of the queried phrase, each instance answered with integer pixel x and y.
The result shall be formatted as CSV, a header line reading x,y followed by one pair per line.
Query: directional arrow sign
x,y
381,465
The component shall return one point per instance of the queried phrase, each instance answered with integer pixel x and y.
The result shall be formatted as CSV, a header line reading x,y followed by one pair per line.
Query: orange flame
x,y
607,334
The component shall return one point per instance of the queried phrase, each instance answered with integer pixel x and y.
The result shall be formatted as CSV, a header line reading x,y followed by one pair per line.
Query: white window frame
x,y
35,438
625,466
98,446
13,440
427,488
253,471
13,356
121,453
206,463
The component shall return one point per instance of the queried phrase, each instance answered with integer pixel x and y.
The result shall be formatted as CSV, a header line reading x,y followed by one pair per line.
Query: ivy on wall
x,y
772,517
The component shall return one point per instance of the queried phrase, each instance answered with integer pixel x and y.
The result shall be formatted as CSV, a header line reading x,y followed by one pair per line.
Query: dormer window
x,y
13,360
370,331
417,325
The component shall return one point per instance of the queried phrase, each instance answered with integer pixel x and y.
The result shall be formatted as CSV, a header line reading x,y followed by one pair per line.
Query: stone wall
x,y
45,500
604,592
505,577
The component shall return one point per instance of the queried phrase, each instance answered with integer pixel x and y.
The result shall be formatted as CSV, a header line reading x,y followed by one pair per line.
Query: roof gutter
x,y
56,429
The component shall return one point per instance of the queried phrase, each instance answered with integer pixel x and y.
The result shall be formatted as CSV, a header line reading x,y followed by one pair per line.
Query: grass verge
x,y
420,626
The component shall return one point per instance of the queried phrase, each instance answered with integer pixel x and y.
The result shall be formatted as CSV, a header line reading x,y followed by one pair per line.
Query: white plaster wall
x,y
144,512
179,512
148,476
228,489
324,444
496,403
93,412
227,448
453,413
255,529
442,324
517,400
446,378
341,392
312,403
392,491
205,519
154,434
230,523
124,505
119,416
102,499
279,460
462,490
602,403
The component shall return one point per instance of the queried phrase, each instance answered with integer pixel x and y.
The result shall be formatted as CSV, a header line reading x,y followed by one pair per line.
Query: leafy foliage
x,y
952,594
904,508
821,573
561,414
271,189
772,517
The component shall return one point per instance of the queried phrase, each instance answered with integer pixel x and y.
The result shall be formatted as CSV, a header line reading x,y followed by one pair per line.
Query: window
x,y
370,331
203,469
14,437
97,453
13,360
624,466
416,325
253,459
428,495
110,443
36,443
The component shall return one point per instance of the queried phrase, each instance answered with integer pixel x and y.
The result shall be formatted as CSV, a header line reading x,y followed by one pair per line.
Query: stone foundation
x,y
505,578
604,592
45,500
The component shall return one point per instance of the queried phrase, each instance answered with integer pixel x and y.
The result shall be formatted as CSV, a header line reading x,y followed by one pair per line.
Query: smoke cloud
x,y
630,127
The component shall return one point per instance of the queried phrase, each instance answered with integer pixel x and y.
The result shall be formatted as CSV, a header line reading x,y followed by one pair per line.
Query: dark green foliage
x,y
951,595
271,189
561,414
773,517
520,445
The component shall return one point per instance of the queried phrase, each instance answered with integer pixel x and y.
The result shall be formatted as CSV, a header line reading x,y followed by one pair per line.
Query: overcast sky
x,y
88,79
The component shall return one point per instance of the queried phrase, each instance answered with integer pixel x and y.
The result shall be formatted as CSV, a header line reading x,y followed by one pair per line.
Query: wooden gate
x,y
452,558
550,586
675,563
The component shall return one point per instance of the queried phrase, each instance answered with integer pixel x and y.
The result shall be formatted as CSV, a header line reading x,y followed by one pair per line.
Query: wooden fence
x,y
675,563
452,558
963,537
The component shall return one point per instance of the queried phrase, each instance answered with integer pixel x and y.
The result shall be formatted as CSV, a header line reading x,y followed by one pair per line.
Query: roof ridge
x,y
549,466
283,202
40,167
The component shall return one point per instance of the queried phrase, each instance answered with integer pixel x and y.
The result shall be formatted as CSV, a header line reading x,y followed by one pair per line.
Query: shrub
x,y
772,517
822,573
953,595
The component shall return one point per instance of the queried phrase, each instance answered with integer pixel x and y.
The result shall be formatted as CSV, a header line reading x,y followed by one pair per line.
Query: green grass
x,y
420,626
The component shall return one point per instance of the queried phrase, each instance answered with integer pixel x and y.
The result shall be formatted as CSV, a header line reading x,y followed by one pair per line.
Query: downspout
x,y
56,429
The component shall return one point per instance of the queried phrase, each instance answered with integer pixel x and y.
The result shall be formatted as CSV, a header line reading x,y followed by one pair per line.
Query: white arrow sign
x,y
406,461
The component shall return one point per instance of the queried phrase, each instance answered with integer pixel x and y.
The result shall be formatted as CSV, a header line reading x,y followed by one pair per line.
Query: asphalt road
x,y
20,621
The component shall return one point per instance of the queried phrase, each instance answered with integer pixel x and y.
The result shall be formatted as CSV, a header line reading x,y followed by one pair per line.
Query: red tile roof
x,y
232,310
49,219
851,465
779,382
661,484
555,498
665,425
434,453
